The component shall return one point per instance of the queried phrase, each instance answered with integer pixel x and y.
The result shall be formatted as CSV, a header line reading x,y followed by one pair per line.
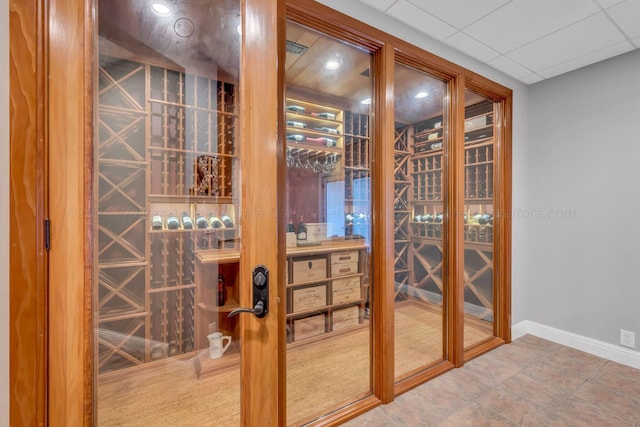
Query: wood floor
x,y
321,376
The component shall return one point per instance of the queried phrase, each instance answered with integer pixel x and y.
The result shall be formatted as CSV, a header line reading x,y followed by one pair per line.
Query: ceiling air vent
x,y
295,48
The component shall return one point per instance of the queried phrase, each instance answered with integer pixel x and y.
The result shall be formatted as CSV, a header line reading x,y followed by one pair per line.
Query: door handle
x,y
260,280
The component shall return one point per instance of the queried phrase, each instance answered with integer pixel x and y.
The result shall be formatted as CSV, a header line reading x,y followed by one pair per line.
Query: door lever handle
x,y
258,310
260,281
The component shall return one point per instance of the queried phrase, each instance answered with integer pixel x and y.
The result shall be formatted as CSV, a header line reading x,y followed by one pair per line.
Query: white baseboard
x,y
615,353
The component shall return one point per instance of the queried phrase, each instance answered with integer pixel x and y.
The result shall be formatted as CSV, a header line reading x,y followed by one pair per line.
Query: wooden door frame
x,y
59,39
28,208
51,380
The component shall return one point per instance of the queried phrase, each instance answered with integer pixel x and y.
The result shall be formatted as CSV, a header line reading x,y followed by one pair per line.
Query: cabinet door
x,y
179,165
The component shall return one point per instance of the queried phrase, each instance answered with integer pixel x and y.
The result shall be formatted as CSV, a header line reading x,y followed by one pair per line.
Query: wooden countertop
x,y
223,256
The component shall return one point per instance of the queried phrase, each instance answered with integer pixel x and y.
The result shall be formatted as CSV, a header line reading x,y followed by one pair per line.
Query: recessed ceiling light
x,y
366,101
160,8
421,94
239,28
332,64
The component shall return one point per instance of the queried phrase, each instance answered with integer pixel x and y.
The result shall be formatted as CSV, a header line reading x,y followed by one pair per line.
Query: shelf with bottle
x,y
426,221
427,135
314,124
478,123
478,224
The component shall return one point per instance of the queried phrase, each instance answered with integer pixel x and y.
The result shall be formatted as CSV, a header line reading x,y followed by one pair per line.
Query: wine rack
x,y
357,174
418,207
402,214
165,148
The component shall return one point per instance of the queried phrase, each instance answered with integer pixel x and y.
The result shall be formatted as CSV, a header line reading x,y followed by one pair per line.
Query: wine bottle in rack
x,y
295,124
172,222
302,230
222,291
215,222
325,115
201,222
295,108
187,224
226,220
326,129
156,222
296,137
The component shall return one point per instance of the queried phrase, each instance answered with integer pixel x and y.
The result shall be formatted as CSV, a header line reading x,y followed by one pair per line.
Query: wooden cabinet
x,y
326,288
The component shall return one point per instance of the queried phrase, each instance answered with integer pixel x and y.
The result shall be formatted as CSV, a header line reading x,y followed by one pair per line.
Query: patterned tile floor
x,y
530,382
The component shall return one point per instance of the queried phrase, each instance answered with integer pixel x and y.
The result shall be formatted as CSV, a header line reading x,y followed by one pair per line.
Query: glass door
x,y
171,224
328,209
421,137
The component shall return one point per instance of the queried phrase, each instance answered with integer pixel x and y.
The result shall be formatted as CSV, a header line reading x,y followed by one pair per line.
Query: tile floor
x,y
530,382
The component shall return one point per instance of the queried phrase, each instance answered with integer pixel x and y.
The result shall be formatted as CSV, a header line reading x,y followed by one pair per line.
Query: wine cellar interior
x,y
169,185
167,211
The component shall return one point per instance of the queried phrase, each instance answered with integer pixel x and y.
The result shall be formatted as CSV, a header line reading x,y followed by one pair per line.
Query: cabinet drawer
x,y
309,298
308,327
309,269
344,257
346,318
344,269
346,290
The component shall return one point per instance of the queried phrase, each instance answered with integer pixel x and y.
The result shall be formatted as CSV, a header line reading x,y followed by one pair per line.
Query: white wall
x,y
4,213
584,155
520,104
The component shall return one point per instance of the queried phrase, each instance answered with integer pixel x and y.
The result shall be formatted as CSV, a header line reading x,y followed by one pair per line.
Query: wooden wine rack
x,y
357,183
419,203
165,146
402,212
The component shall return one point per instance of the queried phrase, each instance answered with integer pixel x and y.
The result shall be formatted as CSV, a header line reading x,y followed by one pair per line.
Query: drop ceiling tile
x,y
531,78
471,47
627,16
580,39
608,3
509,67
522,21
379,4
590,58
421,20
459,13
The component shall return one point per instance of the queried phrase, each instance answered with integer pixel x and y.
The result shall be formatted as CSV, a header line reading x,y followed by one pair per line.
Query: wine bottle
x,y
172,222
326,129
201,222
295,124
328,142
187,224
227,221
156,222
215,222
296,137
302,230
222,291
325,115
295,108
290,227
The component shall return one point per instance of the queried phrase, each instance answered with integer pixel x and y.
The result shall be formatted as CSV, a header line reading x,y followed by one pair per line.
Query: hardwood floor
x,y
530,382
321,376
